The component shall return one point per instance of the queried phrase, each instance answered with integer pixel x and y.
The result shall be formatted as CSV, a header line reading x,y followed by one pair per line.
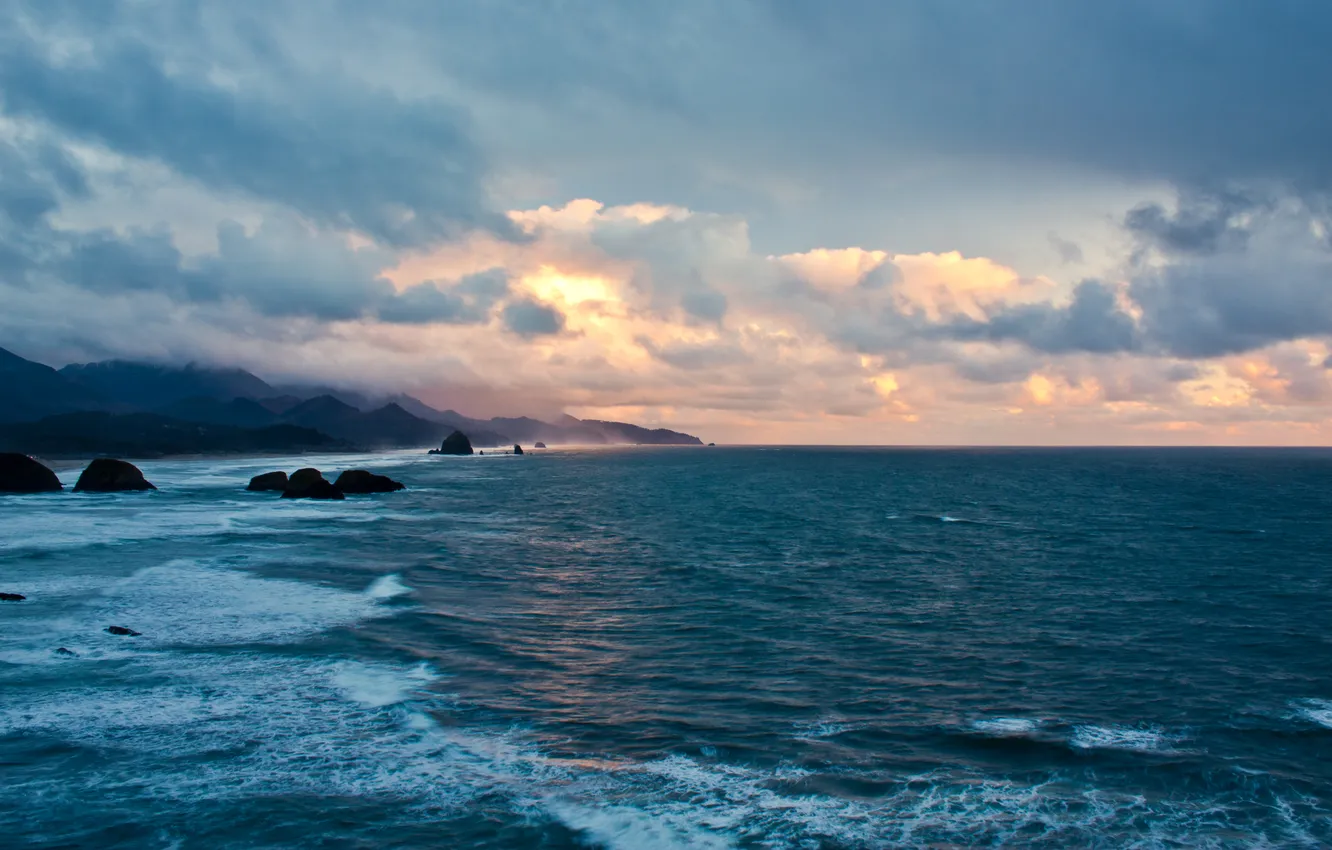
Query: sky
x,y
760,221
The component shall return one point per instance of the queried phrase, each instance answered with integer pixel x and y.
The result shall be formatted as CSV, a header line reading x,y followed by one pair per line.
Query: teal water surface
x,y
693,647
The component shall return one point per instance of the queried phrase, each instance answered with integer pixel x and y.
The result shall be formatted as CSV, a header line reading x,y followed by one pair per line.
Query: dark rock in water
x,y
455,444
538,445
517,449
107,475
711,444
21,474
67,653
361,481
12,597
122,631
269,481
310,483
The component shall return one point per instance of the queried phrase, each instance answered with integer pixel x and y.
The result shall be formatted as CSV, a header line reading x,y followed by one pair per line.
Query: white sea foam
x,y
1317,710
387,587
186,603
1006,726
1138,738
821,729
378,686
629,828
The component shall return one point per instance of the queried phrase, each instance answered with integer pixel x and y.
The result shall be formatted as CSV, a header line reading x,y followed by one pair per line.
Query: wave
x,y
1006,726
1316,710
1143,739
187,603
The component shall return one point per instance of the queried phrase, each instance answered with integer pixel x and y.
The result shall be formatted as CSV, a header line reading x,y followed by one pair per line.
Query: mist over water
x,y
641,648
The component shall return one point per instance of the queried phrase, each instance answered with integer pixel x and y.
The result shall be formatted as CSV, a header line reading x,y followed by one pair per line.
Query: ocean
x,y
693,648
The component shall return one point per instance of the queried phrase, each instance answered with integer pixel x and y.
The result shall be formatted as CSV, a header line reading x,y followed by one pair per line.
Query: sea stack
x,y
309,483
108,475
269,482
21,474
359,481
455,444
517,449
538,445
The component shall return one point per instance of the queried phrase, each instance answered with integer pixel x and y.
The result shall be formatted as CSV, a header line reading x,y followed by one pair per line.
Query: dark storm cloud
x,y
340,152
1215,308
529,318
1190,91
1093,322
469,301
1203,223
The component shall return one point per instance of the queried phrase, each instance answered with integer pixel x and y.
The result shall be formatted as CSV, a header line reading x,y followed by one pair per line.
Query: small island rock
x,y
361,481
122,631
66,653
517,449
107,475
310,483
454,444
269,482
12,597
538,445
21,474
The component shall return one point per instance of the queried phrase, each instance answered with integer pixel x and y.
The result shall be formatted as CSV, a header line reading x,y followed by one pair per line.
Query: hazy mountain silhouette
x,y
166,409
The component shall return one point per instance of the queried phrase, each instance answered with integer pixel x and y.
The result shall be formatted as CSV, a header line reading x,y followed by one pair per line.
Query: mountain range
x,y
141,409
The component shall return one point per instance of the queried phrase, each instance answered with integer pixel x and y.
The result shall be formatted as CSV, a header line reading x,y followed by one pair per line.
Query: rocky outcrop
x,y
12,597
66,653
360,481
21,474
538,445
122,631
454,444
269,482
517,449
310,483
107,475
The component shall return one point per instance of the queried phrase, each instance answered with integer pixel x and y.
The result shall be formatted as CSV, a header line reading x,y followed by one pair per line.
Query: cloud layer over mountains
x,y
929,221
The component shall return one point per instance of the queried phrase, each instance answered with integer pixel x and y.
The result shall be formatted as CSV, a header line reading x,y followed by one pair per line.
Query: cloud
x,y
1092,322
1277,288
1069,252
333,148
467,301
529,318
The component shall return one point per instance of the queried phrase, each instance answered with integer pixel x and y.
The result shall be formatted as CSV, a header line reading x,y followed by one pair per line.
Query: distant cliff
x,y
144,410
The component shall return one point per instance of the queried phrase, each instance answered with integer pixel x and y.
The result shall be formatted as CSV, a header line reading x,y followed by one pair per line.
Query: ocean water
x,y
702,648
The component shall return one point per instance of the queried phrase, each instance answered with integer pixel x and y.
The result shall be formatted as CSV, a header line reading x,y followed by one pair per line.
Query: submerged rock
x,y
108,475
66,653
269,482
12,597
21,474
517,449
310,483
122,631
362,481
538,445
454,444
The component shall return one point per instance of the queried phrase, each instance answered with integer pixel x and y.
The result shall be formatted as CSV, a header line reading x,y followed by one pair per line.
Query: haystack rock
x,y
454,444
310,483
107,475
517,449
361,481
21,474
269,482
